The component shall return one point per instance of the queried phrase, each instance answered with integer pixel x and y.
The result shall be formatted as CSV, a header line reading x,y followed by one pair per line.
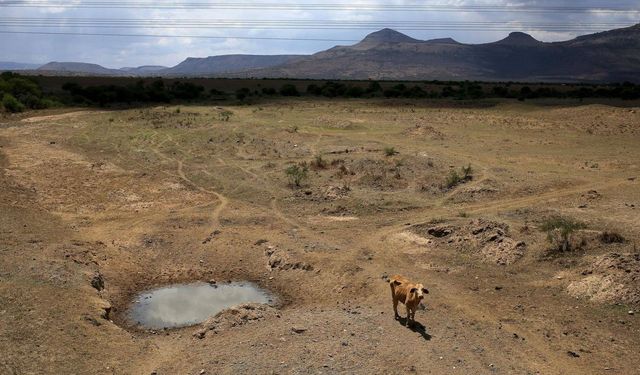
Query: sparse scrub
x,y
455,178
390,151
559,231
297,174
319,163
611,237
225,115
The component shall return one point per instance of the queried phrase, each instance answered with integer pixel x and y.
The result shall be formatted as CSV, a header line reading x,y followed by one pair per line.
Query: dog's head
x,y
419,291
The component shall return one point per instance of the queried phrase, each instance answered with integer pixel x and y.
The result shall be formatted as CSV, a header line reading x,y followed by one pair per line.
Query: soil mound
x,y
611,278
236,317
486,239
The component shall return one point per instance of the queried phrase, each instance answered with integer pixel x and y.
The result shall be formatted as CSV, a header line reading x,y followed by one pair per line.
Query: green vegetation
x,y
456,178
559,230
289,90
390,151
19,93
296,174
11,104
29,95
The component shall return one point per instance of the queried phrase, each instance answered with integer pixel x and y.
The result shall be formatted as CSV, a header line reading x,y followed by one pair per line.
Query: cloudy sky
x,y
468,21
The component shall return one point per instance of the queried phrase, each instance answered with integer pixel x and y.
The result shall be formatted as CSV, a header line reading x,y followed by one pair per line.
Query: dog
x,y
410,294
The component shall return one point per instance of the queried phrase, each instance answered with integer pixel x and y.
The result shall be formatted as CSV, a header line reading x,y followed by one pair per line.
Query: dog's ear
x,y
396,282
413,290
425,290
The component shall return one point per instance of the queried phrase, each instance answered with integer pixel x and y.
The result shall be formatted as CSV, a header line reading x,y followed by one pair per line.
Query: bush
x,y
390,151
11,104
453,179
225,115
611,237
296,174
289,90
559,230
241,94
319,163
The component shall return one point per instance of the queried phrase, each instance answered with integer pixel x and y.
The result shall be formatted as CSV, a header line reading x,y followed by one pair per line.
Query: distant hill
x,y
79,68
145,70
610,56
9,65
387,54
218,65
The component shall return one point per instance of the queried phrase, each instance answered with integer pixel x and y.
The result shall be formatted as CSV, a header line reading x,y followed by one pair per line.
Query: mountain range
x,y
609,56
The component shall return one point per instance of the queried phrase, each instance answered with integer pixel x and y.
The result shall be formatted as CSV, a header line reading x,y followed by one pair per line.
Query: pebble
x,y
631,312
298,329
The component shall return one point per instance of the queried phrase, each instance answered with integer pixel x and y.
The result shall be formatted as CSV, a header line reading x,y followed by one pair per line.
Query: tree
x,y
559,230
11,104
289,90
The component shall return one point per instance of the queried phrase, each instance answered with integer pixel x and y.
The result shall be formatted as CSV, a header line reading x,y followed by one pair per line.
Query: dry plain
x,y
155,196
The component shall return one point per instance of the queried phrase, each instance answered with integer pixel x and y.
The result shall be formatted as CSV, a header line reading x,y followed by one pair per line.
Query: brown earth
x,y
97,206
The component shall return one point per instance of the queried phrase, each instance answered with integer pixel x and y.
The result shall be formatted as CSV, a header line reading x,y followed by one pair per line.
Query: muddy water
x,y
188,304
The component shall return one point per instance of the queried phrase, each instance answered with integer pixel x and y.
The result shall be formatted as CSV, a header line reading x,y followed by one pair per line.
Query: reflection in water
x,y
184,305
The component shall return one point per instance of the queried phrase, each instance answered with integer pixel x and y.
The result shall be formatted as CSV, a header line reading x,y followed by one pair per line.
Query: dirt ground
x,y
147,197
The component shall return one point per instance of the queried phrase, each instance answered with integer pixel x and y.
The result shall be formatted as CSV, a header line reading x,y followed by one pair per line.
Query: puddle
x,y
188,304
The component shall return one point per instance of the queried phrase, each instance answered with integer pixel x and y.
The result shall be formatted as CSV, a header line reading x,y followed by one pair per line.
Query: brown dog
x,y
403,290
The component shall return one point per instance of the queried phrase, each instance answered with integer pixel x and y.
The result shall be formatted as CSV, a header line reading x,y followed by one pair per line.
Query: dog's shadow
x,y
415,327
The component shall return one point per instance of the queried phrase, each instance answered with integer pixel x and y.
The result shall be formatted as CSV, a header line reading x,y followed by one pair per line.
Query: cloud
x,y
132,51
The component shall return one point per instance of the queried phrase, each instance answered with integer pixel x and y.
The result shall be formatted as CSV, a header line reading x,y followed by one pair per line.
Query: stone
x,y
297,329
97,281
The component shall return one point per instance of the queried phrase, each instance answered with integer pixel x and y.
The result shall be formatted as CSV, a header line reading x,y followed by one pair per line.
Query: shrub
x,y
296,174
390,151
11,104
611,237
289,90
319,163
241,94
453,179
559,230
225,115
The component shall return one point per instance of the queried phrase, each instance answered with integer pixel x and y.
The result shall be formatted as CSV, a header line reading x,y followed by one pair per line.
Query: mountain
x,y
387,54
77,68
217,65
10,65
610,56
144,70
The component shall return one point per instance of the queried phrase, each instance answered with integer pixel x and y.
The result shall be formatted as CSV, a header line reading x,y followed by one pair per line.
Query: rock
x,y
106,312
298,329
573,354
97,281
631,312
439,231
212,282
202,372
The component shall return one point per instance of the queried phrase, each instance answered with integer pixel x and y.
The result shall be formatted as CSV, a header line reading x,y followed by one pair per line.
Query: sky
x,y
135,50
